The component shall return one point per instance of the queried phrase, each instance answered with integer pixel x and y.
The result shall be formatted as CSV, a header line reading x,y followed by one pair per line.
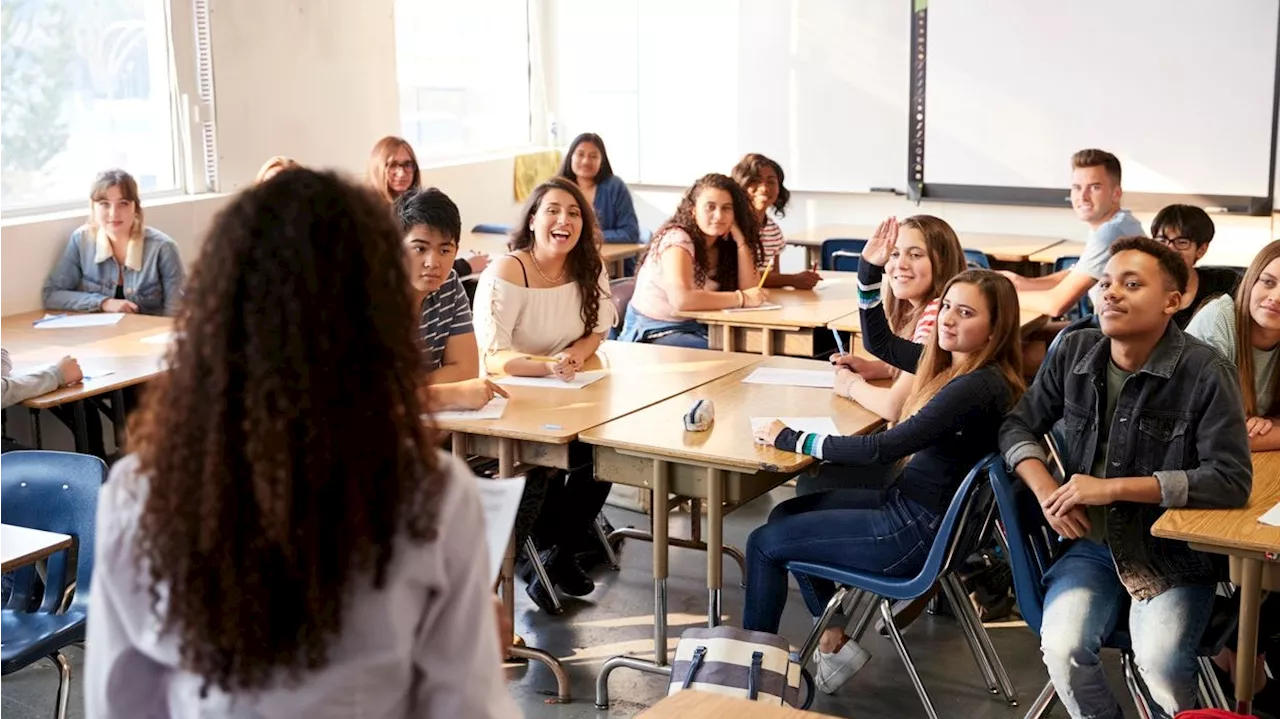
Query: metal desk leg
x,y
35,428
507,468
660,519
715,543
118,418
1247,643
81,426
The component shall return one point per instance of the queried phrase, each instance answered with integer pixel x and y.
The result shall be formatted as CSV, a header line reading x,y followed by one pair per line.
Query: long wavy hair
x,y
380,156
946,257
108,179
583,263
1004,350
725,273
284,448
606,168
748,170
1244,332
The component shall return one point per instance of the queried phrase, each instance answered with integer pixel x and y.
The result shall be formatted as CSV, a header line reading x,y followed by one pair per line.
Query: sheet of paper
x,y
98,319
580,380
1272,516
823,378
819,425
500,499
493,410
162,338
767,306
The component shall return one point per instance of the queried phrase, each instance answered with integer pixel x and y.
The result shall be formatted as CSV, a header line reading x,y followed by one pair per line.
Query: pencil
x,y
538,358
765,276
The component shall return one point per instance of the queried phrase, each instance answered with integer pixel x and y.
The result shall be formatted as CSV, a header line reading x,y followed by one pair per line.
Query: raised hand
x,y
880,246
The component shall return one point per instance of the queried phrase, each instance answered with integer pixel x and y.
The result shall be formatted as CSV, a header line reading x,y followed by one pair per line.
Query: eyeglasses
x,y
1177,243
407,166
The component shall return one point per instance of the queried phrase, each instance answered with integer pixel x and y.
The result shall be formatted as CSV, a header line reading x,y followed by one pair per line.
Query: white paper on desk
x,y
817,425
493,410
161,338
821,378
97,319
768,306
1272,516
580,380
499,498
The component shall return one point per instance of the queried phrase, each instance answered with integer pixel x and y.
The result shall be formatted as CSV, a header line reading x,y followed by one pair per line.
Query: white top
x,y
425,645
1215,323
537,321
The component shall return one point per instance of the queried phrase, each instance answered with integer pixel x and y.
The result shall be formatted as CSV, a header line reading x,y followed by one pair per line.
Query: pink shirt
x,y
924,325
651,298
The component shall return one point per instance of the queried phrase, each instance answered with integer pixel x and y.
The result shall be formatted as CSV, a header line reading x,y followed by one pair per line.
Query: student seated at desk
x,y
587,164
115,263
1187,230
543,311
919,255
1151,419
966,378
430,225
763,181
273,167
704,258
393,170
1095,196
1246,331
22,387
316,555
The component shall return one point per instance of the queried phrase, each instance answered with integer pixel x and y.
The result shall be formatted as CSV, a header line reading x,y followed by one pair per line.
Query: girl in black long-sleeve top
x,y
967,377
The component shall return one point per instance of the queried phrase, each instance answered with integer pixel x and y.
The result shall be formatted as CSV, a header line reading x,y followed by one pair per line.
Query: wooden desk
x,y
723,466
696,705
21,546
1251,547
1006,248
1029,321
540,424
614,255
1050,255
117,349
791,330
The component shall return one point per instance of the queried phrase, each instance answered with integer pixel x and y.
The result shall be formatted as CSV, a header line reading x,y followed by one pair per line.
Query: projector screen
x,y
1182,91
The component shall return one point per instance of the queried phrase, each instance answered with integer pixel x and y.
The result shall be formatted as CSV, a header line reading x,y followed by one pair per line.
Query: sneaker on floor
x,y
836,668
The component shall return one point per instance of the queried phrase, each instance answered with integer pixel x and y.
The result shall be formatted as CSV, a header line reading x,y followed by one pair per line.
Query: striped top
x,y
445,313
773,240
928,318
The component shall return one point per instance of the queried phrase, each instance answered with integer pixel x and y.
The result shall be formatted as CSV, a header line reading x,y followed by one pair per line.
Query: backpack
x,y
737,662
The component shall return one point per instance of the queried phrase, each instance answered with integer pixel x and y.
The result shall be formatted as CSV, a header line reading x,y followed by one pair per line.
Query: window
x,y
84,86
463,70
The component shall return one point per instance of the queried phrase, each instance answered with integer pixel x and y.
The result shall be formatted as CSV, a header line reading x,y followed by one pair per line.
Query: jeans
x,y
859,529
683,333
1082,607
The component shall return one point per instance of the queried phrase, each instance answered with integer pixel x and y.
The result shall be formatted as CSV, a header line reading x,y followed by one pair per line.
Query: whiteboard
x,y
1182,91
680,88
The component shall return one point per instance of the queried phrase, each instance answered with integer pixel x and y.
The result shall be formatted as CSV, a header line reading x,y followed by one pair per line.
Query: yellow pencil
x,y
537,358
765,276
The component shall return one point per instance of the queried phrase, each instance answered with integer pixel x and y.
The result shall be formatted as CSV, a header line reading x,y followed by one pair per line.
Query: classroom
x,y
656,358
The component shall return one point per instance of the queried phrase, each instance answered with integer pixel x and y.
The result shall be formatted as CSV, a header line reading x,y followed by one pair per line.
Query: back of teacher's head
x,y
284,448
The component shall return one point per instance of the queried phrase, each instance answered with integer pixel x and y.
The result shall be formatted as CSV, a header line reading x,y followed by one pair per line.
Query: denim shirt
x,y
1180,419
80,284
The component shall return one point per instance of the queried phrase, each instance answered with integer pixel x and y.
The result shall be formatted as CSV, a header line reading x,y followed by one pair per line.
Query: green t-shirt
x,y
1116,377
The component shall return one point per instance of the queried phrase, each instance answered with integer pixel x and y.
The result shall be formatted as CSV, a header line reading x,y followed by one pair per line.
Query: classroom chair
x,y
491,229
56,492
976,259
1032,547
842,255
966,522
620,291
1083,307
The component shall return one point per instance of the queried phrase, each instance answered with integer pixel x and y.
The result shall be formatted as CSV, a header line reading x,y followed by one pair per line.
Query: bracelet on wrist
x,y
742,298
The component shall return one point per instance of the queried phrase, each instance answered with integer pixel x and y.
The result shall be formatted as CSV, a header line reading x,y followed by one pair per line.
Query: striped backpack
x,y
737,662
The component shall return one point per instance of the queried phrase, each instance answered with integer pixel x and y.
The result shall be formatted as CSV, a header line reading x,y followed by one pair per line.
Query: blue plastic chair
x,y
842,255
491,229
1032,546
967,520
1083,307
976,259
55,492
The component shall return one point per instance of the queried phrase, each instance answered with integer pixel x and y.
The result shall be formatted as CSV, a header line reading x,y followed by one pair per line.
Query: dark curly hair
x,y
583,263
726,271
747,172
284,448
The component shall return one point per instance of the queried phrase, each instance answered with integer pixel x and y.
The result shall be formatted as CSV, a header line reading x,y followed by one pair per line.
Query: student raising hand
x,y
880,246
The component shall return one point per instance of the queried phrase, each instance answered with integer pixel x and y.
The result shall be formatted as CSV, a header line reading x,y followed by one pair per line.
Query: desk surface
x,y
691,704
1232,529
835,296
1049,255
496,246
1001,246
638,376
1029,321
659,430
22,545
116,348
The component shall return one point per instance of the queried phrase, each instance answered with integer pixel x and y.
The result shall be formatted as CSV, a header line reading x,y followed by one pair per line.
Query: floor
x,y
618,619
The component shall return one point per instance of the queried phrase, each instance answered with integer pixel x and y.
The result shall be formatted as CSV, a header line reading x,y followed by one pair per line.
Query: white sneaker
x,y
834,669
